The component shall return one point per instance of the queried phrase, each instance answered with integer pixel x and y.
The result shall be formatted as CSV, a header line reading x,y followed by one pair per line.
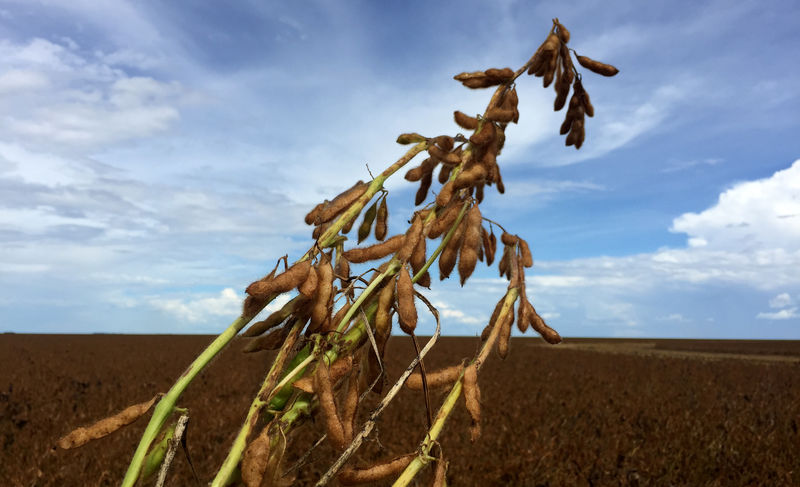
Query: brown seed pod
x,y
509,239
418,256
588,108
312,215
472,398
485,135
271,341
309,286
436,379
342,270
468,256
413,234
505,262
383,315
501,75
104,427
493,242
410,138
501,115
470,177
550,335
574,132
445,194
447,259
523,316
493,320
319,307
479,196
444,173
527,258
505,334
342,202
277,317
445,142
465,121
597,66
324,387
436,152
416,173
350,406
381,221
424,186
487,246
379,471
255,459
281,283
338,369
406,311
563,33
443,221
366,226
377,251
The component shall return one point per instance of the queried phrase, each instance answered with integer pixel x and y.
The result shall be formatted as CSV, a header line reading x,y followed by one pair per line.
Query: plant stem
x,y
228,468
167,403
423,458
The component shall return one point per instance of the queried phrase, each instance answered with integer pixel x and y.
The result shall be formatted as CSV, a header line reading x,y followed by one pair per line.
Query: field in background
x,y
586,412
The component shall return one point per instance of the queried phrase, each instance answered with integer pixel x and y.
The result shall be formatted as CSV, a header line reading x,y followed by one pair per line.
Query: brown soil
x,y
588,412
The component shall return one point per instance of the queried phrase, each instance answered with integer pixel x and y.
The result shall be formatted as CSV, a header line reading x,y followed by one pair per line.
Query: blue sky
x,y
156,157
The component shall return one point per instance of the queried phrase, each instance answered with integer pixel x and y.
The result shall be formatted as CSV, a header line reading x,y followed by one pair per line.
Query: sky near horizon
x,y
157,157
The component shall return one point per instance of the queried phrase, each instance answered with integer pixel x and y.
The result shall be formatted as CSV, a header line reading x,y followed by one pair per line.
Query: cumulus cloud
x,y
784,314
750,216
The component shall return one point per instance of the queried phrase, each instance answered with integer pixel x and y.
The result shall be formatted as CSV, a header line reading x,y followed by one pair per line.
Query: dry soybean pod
x,y
437,379
381,220
276,318
443,221
472,398
350,406
412,237
597,66
271,341
342,201
468,256
339,369
527,257
406,311
366,225
324,388
379,471
319,307
106,426
447,259
309,286
281,283
255,459
377,251
505,333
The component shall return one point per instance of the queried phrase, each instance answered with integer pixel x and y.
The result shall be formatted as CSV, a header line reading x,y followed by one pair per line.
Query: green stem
x,y
330,234
167,403
423,458
443,243
228,469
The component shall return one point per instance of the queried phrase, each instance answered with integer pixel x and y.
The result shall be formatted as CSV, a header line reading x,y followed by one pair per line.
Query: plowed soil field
x,y
586,412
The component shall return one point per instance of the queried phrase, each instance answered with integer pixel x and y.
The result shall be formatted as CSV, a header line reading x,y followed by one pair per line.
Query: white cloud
x,y
19,80
784,314
751,216
675,166
88,102
782,300
227,303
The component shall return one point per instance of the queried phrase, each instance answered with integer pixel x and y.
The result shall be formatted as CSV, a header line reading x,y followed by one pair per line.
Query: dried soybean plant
x,y
331,335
